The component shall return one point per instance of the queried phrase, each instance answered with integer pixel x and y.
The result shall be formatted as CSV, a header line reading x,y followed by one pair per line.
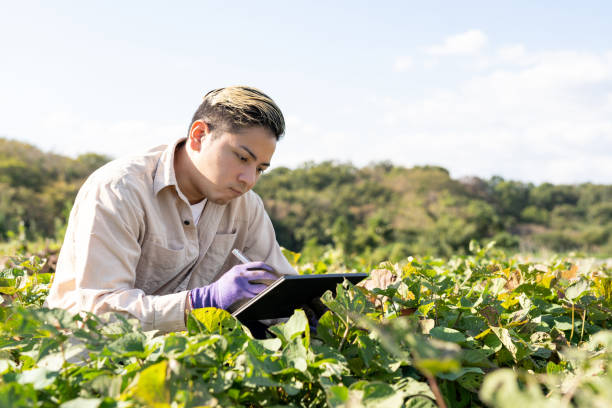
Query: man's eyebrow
x,y
253,155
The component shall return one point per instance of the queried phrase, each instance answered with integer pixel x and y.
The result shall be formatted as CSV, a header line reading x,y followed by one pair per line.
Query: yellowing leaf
x,y
151,387
212,321
483,334
546,279
508,299
504,336
570,273
292,257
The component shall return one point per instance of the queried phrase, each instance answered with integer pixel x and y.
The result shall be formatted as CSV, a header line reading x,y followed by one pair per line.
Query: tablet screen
x,y
290,292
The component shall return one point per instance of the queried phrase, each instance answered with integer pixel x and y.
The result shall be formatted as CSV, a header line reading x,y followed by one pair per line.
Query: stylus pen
x,y
244,259
240,256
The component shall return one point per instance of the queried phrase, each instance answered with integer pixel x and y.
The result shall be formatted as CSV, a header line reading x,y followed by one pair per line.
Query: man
x,y
151,235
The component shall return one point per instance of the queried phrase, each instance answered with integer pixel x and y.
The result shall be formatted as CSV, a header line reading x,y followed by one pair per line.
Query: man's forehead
x,y
259,145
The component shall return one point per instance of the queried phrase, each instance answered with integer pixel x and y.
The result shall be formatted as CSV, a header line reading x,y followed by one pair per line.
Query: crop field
x,y
477,330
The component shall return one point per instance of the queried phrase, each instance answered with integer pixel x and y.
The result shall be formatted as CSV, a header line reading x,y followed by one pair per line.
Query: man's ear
x,y
197,134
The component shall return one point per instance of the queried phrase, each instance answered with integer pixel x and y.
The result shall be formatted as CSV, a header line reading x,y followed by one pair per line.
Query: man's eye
x,y
260,171
241,158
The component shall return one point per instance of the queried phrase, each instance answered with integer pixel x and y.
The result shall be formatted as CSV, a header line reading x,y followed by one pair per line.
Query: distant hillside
x,y
382,211
38,188
392,212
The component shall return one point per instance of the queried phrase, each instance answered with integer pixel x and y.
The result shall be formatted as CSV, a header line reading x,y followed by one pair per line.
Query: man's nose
x,y
248,177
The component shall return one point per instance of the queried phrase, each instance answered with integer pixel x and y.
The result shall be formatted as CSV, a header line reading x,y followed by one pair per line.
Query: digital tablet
x,y
290,292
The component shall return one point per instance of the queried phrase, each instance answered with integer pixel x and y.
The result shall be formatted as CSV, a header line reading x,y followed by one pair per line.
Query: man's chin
x,y
222,200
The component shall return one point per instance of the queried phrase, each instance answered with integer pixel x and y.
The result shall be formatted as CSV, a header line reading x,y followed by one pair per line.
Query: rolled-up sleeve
x,y
96,271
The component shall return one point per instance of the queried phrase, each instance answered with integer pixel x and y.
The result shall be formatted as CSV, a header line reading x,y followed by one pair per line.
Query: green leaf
x,y
6,365
330,329
271,344
174,343
15,395
499,386
577,289
373,355
460,373
411,387
564,323
297,325
552,368
381,395
420,402
337,395
435,366
447,334
82,403
107,385
296,355
129,344
221,381
38,377
330,361
477,357
471,381
504,336
501,389
347,301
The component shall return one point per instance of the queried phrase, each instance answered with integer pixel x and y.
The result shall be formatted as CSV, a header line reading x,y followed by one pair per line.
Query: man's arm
x,y
96,270
261,242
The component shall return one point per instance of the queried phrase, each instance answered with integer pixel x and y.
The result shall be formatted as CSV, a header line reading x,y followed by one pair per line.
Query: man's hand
x,y
239,284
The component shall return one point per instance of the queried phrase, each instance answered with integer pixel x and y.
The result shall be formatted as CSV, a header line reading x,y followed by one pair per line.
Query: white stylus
x,y
240,256
244,259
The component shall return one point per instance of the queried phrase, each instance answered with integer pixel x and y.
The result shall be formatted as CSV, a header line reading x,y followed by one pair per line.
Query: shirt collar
x,y
164,174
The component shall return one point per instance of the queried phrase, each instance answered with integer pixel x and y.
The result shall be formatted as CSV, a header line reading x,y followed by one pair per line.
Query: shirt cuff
x,y
170,312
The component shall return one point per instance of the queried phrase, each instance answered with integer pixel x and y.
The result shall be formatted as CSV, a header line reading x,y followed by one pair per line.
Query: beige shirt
x,y
132,245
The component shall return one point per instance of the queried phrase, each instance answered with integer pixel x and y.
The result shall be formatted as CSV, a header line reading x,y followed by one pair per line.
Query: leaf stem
x,y
346,332
436,306
572,333
457,319
583,321
436,390
397,313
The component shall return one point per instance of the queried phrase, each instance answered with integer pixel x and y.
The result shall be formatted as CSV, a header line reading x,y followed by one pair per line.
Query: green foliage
x,y
38,188
477,330
386,212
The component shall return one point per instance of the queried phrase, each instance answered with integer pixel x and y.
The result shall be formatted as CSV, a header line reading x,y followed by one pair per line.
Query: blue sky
x,y
522,90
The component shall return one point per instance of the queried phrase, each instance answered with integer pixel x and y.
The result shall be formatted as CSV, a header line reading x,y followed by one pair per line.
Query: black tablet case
x,y
290,292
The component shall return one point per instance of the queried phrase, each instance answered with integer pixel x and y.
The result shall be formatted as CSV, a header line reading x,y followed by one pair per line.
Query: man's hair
x,y
238,107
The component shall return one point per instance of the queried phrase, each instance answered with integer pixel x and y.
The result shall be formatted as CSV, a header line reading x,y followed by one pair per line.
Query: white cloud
x,y
546,117
512,53
402,64
430,63
470,42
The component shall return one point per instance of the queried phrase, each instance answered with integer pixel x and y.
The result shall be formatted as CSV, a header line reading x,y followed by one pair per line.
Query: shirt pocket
x,y
218,256
158,265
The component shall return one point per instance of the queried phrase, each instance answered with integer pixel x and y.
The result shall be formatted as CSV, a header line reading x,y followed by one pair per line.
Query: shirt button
x,y
186,222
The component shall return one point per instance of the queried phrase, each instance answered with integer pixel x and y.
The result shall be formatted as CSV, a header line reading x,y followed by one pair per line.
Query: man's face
x,y
229,164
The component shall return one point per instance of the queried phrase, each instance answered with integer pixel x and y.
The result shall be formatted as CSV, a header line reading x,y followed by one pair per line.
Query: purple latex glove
x,y
233,286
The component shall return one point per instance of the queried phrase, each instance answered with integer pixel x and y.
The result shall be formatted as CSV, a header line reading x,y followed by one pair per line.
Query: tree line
x,y
38,189
389,212
380,211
